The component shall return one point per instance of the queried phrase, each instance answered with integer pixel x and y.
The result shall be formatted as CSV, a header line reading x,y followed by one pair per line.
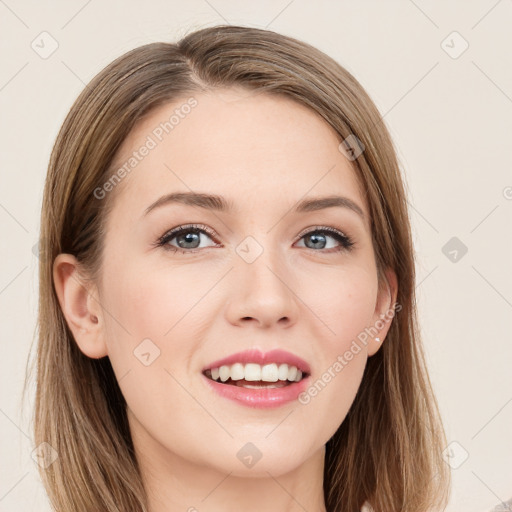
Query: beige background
x,y
450,114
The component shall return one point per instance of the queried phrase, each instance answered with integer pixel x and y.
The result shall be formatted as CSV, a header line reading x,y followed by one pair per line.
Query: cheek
x,y
152,303
156,314
151,332
344,302
345,310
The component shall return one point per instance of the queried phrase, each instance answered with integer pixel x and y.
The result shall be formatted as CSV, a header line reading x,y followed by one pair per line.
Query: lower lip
x,y
259,398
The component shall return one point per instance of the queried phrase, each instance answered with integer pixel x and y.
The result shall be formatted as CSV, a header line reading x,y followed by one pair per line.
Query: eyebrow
x,y
220,204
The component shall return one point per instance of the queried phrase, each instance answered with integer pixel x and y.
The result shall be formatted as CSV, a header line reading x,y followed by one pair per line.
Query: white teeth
x,y
224,373
255,372
252,372
283,372
269,373
237,371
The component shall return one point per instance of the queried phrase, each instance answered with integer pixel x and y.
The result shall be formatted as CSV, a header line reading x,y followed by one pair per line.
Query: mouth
x,y
259,380
255,376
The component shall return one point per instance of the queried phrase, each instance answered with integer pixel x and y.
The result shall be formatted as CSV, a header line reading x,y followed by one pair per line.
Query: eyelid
x,y
321,228
305,231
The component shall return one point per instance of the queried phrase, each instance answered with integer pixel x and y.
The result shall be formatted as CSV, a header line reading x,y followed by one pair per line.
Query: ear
x,y
79,302
384,310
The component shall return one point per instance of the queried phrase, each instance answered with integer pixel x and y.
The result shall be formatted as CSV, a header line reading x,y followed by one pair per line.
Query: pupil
x,y
317,239
189,239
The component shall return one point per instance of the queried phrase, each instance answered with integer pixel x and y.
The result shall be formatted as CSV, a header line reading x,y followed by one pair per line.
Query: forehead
x,y
251,147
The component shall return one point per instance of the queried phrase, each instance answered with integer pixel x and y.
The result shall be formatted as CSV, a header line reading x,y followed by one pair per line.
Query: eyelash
x,y
346,242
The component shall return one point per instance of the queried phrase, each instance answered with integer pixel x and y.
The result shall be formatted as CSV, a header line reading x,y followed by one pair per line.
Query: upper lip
x,y
256,356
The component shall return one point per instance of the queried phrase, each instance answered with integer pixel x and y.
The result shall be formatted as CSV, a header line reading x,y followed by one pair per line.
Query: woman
x,y
227,315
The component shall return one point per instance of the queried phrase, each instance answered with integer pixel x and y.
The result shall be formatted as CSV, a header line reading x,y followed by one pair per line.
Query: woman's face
x,y
261,276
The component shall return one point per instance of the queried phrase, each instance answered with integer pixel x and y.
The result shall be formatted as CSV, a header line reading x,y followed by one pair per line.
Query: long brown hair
x,y
388,450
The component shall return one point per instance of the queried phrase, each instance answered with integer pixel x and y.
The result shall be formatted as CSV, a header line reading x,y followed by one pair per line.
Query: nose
x,y
262,293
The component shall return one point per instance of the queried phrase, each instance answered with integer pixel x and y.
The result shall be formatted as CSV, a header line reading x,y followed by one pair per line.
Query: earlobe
x,y
79,306
384,311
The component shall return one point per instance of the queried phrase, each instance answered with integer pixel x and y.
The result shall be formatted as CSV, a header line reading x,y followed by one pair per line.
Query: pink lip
x,y
255,356
259,398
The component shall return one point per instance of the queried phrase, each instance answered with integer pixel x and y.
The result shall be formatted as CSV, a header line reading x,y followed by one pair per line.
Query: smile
x,y
259,380
255,376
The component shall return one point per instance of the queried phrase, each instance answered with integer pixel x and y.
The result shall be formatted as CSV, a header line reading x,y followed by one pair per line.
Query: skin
x,y
265,154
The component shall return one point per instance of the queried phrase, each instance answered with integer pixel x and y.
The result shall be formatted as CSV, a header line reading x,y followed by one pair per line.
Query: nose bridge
x,y
263,290
259,261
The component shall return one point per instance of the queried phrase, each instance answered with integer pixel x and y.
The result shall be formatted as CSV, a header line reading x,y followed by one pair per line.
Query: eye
x,y
187,237
319,235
